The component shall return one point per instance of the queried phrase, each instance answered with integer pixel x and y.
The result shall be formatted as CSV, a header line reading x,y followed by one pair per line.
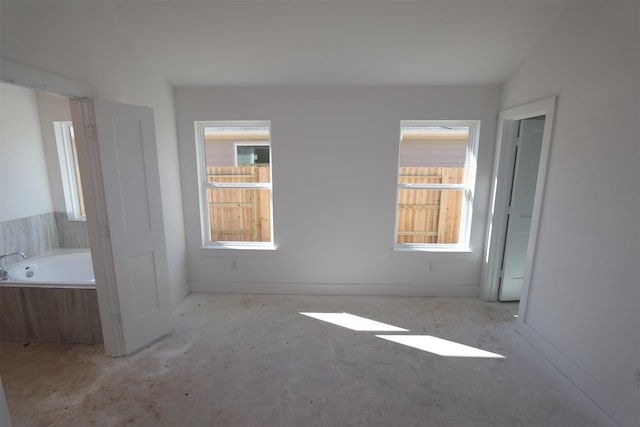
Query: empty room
x,y
320,212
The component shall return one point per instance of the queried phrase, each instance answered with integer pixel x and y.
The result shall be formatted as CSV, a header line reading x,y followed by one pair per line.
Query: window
x,y
68,158
436,177
235,183
250,153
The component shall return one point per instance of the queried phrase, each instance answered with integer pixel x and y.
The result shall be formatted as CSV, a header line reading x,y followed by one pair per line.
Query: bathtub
x,y
51,298
61,268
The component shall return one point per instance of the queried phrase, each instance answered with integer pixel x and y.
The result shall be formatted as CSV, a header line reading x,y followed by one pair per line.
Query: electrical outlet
x,y
429,266
636,376
234,264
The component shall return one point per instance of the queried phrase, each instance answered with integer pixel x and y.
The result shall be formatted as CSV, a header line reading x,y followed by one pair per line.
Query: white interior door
x,y
124,215
520,211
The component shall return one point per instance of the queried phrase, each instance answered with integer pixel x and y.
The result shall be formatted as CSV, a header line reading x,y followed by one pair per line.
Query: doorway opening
x,y
117,159
522,149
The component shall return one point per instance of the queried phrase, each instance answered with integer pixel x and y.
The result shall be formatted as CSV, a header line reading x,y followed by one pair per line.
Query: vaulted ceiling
x,y
337,42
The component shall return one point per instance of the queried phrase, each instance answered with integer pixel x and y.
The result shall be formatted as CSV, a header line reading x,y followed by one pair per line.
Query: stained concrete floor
x,y
244,360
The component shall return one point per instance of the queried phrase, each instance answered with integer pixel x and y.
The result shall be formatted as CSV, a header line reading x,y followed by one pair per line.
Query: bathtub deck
x,y
50,315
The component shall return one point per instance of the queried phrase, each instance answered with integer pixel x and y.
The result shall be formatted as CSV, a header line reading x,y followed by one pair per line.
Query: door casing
x,y
501,191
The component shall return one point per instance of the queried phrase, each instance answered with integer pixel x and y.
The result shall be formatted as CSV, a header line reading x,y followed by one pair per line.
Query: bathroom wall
x,y
24,180
27,222
34,235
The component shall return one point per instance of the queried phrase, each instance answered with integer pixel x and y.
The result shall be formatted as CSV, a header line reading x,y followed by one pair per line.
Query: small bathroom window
x,y
68,158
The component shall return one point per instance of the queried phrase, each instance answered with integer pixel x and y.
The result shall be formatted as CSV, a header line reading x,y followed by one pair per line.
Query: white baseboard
x,y
335,289
602,397
180,293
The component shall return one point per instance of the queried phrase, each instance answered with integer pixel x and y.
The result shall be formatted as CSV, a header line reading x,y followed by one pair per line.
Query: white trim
x,y
416,186
333,289
24,75
464,236
613,410
203,185
256,246
501,189
413,247
180,293
201,167
67,162
98,225
256,185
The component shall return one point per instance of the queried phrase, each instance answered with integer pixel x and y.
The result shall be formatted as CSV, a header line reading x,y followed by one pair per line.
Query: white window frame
x,y
467,186
204,185
249,144
66,159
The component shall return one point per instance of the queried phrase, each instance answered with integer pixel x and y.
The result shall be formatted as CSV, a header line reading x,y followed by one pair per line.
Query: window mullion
x,y
411,186
248,185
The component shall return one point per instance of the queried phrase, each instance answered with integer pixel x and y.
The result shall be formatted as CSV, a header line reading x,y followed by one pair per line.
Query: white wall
x,y
88,42
335,160
583,307
52,108
24,183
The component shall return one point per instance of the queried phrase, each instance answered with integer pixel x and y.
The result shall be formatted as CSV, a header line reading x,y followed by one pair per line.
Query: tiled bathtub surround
x,y
71,234
34,235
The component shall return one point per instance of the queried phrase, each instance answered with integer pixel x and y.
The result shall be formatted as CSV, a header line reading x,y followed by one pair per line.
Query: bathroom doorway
x,y
120,181
522,149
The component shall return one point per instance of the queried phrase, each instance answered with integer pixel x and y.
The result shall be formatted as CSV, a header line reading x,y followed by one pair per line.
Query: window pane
x,y
429,216
69,170
252,154
433,153
234,149
434,146
239,214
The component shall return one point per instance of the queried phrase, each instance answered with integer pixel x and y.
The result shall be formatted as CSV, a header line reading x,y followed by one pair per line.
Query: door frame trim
x,y
98,225
502,175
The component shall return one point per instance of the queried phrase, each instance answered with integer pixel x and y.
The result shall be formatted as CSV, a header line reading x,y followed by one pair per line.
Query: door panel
x,y
522,197
126,137
129,234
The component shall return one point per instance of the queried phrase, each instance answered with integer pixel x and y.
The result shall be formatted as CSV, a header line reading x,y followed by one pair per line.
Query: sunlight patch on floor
x,y
440,346
355,323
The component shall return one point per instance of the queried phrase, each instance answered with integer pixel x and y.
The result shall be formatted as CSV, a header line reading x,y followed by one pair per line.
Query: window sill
x,y
231,247
77,219
448,250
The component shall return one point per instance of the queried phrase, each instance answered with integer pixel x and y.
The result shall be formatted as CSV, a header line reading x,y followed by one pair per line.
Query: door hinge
x,y
93,131
501,275
117,319
516,142
103,231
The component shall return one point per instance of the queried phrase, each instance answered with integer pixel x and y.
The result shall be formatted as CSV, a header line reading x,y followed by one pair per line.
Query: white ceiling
x,y
346,42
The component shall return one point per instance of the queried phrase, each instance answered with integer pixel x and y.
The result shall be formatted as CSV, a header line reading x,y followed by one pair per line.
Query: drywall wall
x,y
335,160
52,108
24,183
583,307
89,42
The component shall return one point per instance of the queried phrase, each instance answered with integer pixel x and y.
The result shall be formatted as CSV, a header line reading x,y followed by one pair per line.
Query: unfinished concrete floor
x,y
255,361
